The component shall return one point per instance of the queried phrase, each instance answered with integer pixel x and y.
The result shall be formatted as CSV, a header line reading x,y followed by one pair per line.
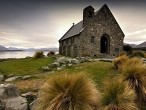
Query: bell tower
x,y
88,14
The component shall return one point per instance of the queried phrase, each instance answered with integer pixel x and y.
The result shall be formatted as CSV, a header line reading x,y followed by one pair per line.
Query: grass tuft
x,y
119,61
39,54
134,72
117,96
68,92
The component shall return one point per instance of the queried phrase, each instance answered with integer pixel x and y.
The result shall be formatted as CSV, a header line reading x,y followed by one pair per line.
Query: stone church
x,y
97,34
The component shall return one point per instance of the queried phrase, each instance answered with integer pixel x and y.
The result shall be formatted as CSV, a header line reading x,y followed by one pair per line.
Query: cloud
x,y
136,37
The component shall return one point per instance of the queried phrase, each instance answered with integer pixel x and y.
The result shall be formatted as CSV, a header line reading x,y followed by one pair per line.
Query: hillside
x,y
143,44
2,48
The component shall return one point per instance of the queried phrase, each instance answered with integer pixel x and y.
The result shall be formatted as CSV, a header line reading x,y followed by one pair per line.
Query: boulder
x,y
60,68
46,68
8,91
63,60
16,103
13,78
54,65
1,77
75,61
10,98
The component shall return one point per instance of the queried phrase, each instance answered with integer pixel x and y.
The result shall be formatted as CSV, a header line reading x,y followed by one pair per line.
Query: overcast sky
x,y
41,23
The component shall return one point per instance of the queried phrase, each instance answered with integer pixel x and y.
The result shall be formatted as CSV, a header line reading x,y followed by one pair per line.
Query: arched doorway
x,y
104,44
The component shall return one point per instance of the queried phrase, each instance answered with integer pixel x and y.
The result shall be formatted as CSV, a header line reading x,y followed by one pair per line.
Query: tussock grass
x,y
68,92
139,54
119,61
39,54
117,96
134,72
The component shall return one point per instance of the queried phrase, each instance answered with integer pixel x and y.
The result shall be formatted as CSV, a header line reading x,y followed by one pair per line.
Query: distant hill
x,y
2,48
142,45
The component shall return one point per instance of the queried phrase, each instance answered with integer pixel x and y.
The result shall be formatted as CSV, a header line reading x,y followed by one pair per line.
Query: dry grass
x,y
134,72
119,61
117,96
68,92
29,85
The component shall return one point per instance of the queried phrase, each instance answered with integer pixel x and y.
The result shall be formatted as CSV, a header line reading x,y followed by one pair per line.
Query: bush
x,y
140,54
119,61
68,92
128,49
39,54
117,96
51,53
134,72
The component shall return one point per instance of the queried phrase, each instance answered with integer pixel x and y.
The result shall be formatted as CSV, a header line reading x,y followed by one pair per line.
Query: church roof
x,y
74,30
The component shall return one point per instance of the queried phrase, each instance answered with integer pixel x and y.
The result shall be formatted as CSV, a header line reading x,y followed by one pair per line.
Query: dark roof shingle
x,y
74,30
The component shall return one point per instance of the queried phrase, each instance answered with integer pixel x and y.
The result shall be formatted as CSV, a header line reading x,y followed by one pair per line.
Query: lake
x,y
18,54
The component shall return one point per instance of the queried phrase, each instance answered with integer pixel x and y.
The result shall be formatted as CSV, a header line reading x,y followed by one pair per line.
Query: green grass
x,y
96,70
23,66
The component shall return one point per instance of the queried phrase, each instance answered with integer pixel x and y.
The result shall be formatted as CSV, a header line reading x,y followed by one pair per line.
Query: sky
x,y
41,23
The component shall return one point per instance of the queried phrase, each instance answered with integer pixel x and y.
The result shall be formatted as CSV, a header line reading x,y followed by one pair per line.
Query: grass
x,y
68,92
97,70
25,66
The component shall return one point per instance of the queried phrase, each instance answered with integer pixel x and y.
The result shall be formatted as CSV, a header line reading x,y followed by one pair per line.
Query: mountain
x,y
2,48
143,44
13,49
43,49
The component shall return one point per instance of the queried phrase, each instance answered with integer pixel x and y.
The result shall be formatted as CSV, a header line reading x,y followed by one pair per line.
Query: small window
x,y
92,39
90,14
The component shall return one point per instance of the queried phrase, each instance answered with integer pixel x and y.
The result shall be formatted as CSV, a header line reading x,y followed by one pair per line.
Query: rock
x,y
106,60
8,91
69,65
63,60
16,103
26,77
46,68
13,78
54,65
75,61
30,96
1,77
10,98
60,68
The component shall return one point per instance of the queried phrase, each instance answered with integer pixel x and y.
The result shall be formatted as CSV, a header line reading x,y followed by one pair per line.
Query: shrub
x,y
39,54
119,61
68,92
134,72
51,53
128,49
117,96
140,54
